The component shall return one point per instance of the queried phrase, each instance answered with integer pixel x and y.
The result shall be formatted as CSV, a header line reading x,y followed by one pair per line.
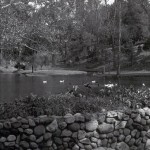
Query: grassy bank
x,y
105,99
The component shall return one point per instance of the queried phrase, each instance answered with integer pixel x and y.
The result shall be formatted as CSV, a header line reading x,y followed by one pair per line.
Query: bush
x,y
54,105
61,104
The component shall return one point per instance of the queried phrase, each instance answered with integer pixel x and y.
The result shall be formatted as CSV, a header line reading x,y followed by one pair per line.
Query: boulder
x,y
79,117
91,125
66,133
53,126
31,123
122,146
112,114
74,127
24,144
81,134
39,130
120,124
105,128
11,138
69,118
148,144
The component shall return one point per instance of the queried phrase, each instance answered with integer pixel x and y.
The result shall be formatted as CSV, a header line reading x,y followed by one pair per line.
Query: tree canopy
x,y
72,28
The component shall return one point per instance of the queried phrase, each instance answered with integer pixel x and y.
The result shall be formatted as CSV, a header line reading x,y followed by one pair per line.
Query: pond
x,y
14,86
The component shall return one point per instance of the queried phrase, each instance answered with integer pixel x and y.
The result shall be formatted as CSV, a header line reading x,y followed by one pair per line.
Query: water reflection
x,y
16,86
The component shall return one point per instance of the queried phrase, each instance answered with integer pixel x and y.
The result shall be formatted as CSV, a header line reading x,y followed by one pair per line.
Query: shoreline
x,y
125,73
67,71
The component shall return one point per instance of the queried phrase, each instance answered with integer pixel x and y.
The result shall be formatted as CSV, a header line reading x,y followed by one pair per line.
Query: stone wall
x,y
113,130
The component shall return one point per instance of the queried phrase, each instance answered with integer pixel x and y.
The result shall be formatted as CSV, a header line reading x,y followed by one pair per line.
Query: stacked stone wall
x,y
113,130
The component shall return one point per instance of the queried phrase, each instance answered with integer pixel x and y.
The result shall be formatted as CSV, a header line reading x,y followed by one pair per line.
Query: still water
x,y
13,86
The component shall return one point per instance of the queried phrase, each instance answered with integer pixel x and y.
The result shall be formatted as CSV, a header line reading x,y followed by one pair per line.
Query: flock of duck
x,y
86,89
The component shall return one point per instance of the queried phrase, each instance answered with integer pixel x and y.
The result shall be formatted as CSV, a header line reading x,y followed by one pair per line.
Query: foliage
x,y
70,28
112,98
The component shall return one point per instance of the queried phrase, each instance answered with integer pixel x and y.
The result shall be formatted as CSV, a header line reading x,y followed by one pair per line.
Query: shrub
x,y
61,104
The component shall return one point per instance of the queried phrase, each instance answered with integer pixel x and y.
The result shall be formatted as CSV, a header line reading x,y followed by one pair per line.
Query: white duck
x,y
62,81
44,82
93,82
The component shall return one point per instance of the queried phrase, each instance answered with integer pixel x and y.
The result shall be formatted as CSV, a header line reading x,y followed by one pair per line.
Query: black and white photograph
x,y
74,74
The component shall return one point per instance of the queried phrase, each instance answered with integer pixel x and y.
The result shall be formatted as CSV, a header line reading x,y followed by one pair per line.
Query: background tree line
x,y
77,30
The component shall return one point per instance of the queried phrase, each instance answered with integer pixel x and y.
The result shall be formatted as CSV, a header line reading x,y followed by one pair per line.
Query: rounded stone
x,y
11,138
39,140
85,141
93,139
52,127
47,136
7,125
133,132
99,143
137,135
138,141
39,130
58,141
79,117
25,126
62,125
57,133
9,144
69,118
31,123
16,124
81,134
1,125
104,142
100,148
110,135
94,145
105,128
2,139
116,133
138,118
49,143
143,133
24,144
66,133
28,131
122,146
75,147
32,138
45,119
24,121
66,139
88,147
126,132
121,138
128,138
103,136
95,134
33,145
74,127
91,125
144,140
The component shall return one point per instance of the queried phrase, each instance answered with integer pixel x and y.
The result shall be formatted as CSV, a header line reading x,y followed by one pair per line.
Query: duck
x,y
44,82
93,82
62,81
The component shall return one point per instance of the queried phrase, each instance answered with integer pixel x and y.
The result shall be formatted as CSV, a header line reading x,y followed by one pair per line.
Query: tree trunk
x,y
1,57
114,53
32,68
113,39
119,49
